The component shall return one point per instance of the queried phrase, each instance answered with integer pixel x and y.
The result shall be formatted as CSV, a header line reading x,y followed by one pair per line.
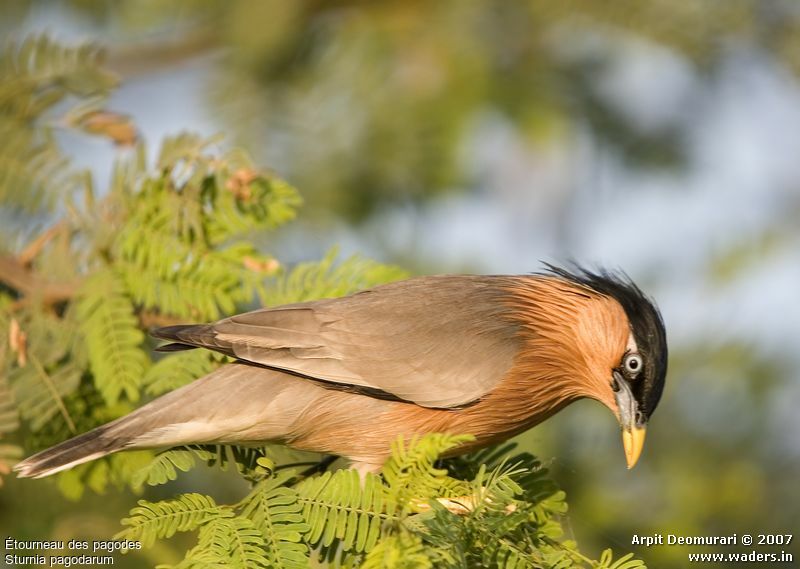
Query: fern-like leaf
x,y
327,279
411,474
178,369
112,336
403,551
260,203
606,561
164,468
277,514
41,386
9,418
40,393
336,507
150,521
228,542
37,74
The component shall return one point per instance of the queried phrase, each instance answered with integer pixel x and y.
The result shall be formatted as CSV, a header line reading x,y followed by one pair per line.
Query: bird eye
x,y
633,364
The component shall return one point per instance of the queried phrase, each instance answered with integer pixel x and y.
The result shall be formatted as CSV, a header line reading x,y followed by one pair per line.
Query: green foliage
x,y
228,542
36,75
164,467
9,419
161,244
625,562
508,515
413,81
150,521
9,422
337,507
403,551
178,369
277,512
54,363
411,474
113,337
326,278
193,263
117,470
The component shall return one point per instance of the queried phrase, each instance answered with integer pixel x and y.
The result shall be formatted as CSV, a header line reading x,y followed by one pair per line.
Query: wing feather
x,y
435,341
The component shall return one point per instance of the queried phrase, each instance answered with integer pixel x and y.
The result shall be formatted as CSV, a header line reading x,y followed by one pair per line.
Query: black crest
x,y
646,323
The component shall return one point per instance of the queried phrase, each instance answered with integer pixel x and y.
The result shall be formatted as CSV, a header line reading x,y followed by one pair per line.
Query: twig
x,y
54,392
152,56
17,276
152,319
35,247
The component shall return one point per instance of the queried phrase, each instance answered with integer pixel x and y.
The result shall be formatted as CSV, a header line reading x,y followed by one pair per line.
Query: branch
x,y
153,56
31,251
152,319
15,275
54,393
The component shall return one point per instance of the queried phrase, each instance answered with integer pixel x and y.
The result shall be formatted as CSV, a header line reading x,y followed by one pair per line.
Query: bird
x,y
485,355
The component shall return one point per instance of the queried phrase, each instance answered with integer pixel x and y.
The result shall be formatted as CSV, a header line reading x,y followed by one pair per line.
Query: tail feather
x,y
186,337
104,440
75,451
172,332
231,404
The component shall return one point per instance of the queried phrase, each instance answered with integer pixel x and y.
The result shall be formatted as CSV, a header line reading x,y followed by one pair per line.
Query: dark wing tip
x,y
174,347
190,336
170,332
180,334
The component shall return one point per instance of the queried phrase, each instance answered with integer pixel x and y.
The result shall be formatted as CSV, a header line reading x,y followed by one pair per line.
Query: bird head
x,y
595,335
637,379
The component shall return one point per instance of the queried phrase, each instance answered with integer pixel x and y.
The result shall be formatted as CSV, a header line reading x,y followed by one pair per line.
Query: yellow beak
x,y
633,440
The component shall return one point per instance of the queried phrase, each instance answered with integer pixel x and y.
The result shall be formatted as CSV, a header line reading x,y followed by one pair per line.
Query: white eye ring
x,y
633,364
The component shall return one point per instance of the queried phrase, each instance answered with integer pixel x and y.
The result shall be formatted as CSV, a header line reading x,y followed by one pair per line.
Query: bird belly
x,y
362,429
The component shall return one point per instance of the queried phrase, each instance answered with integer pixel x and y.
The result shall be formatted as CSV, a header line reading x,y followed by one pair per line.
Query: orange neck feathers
x,y
572,337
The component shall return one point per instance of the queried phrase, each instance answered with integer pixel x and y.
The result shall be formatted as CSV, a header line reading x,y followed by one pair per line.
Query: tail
x,y
75,451
143,428
112,437
230,405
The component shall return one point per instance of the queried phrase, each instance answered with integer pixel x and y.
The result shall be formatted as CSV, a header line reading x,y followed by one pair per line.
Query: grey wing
x,y
435,341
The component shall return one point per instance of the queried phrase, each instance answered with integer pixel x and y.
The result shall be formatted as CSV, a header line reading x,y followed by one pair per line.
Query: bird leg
x,y
364,468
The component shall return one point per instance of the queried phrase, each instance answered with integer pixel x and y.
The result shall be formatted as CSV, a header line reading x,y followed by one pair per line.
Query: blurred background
x,y
487,136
